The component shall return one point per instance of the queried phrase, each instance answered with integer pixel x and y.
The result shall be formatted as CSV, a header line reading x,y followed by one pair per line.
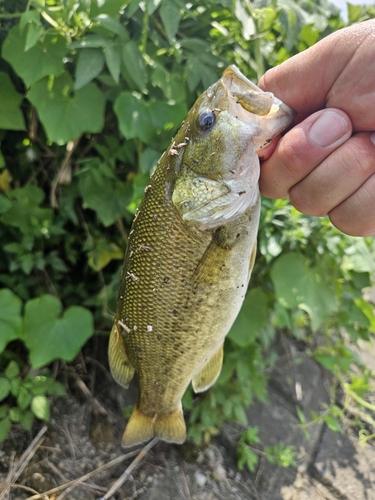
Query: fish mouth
x,y
246,100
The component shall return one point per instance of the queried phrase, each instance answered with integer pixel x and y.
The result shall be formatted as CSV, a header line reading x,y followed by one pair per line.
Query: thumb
x,y
302,149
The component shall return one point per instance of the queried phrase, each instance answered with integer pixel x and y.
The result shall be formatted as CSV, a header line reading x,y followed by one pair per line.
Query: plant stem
x,y
145,31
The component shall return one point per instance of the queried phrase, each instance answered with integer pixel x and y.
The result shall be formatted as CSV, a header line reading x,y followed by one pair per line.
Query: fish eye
x,y
206,119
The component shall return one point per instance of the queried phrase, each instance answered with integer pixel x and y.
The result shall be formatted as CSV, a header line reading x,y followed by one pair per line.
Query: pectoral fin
x,y
209,373
119,363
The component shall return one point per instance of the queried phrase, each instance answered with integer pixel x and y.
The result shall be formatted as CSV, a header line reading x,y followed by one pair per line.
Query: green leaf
x,y
4,388
247,21
103,254
89,66
111,7
113,25
195,70
170,16
15,384
40,407
27,419
358,256
354,12
10,317
5,203
49,336
152,5
34,33
66,114
169,83
29,17
332,423
133,64
240,414
44,59
25,214
108,197
11,117
297,285
5,425
12,370
134,117
148,160
24,397
90,41
251,319
14,414
4,409
112,55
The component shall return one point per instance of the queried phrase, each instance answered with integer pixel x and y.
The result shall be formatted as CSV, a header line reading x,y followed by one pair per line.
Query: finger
x,y
302,149
356,215
337,178
335,72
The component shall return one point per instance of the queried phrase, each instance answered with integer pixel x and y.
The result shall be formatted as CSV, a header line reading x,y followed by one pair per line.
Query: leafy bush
x,y
91,93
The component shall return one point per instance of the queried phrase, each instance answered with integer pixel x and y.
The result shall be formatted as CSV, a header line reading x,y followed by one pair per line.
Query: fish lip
x,y
253,101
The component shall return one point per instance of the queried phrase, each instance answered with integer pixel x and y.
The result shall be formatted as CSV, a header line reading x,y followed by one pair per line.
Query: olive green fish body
x,y
190,254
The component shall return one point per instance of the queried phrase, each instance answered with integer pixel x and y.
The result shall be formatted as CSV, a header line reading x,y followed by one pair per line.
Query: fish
x,y
190,254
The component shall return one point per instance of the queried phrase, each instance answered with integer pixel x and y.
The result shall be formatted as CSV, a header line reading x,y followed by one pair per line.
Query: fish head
x,y
218,171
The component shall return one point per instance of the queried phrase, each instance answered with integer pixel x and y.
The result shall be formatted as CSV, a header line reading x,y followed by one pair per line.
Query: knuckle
x,y
292,157
304,201
356,215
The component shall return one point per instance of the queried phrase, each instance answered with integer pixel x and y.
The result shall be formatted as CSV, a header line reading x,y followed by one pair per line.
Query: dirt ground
x,y
77,455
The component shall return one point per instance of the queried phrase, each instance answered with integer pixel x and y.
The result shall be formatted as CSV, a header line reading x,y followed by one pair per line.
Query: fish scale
x,y
190,254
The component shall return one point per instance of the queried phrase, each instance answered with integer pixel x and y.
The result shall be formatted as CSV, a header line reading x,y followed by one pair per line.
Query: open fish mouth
x,y
246,100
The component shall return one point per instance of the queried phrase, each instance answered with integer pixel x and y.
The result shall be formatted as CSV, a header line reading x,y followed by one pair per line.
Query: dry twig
x,y
21,464
121,480
80,480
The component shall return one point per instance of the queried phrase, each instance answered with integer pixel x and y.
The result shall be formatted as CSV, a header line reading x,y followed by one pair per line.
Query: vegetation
x,y
91,93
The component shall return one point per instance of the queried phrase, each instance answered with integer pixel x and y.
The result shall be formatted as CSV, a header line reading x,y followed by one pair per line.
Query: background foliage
x,y
91,93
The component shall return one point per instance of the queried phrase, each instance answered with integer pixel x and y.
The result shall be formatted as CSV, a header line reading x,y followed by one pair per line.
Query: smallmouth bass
x,y
190,254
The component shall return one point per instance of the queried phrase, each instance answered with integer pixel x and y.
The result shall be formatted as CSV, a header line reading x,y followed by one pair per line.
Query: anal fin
x,y
140,428
208,375
119,363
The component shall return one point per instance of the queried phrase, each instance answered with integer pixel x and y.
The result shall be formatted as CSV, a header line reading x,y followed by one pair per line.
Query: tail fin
x,y
170,428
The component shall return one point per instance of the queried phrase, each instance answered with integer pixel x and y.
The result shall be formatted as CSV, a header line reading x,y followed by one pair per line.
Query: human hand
x,y
326,163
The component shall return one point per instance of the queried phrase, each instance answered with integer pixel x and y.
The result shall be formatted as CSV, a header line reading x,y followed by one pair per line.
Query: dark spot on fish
x,y
166,279
196,160
242,192
231,171
238,235
159,337
138,349
175,312
242,285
